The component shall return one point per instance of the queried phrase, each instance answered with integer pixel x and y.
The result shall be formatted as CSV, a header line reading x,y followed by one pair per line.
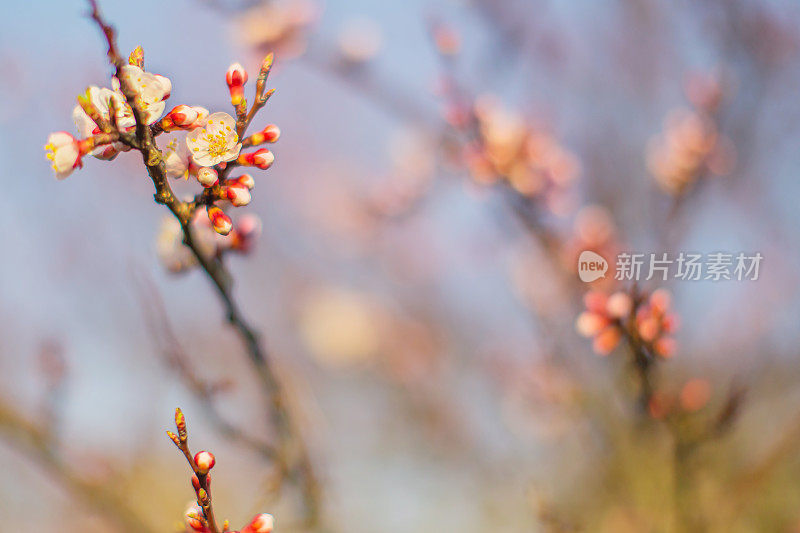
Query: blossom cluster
x,y
691,145
645,321
508,149
200,145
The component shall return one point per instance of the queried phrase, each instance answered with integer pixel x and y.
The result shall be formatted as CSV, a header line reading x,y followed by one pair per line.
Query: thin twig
x,y
292,445
33,440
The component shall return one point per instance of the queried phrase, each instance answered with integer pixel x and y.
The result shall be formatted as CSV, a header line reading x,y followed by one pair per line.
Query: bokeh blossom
x,y
647,320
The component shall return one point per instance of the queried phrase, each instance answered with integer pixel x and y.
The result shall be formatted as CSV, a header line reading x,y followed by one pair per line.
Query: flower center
x,y
217,144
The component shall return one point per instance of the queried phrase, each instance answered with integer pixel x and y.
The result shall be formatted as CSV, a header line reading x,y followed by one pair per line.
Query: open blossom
x,y
151,90
176,159
216,142
64,152
102,99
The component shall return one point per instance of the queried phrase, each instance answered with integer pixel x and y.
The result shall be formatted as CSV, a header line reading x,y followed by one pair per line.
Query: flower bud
x,y
204,461
270,134
246,180
619,305
64,153
263,523
590,324
192,518
238,194
219,220
182,116
236,77
605,342
196,483
207,177
263,159
245,233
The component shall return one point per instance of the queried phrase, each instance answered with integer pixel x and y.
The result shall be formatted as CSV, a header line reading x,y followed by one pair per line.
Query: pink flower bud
x,y
204,460
64,153
263,523
595,301
665,347
648,329
660,300
244,235
219,220
263,158
246,180
590,324
181,116
238,194
619,305
271,133
606,341
236,77
207,177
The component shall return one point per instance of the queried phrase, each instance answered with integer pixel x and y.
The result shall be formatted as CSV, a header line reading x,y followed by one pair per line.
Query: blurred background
x,y
440,166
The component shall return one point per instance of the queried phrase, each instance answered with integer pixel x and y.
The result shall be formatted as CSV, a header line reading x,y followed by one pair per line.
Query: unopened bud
x,y
182,116
263,523
236,77
245,234
246,180
238,194
263,74
219,220
263,159
207,177
269,134
204,461
180,423
196,483
174,438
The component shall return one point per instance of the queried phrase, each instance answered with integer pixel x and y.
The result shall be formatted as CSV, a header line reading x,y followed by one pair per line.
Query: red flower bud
x,y
246,180
204,460
236,77
207,177
238,194
263,158
263,523
219,220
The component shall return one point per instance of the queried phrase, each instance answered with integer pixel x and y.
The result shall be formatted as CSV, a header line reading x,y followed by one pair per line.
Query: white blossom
x,y
216,142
